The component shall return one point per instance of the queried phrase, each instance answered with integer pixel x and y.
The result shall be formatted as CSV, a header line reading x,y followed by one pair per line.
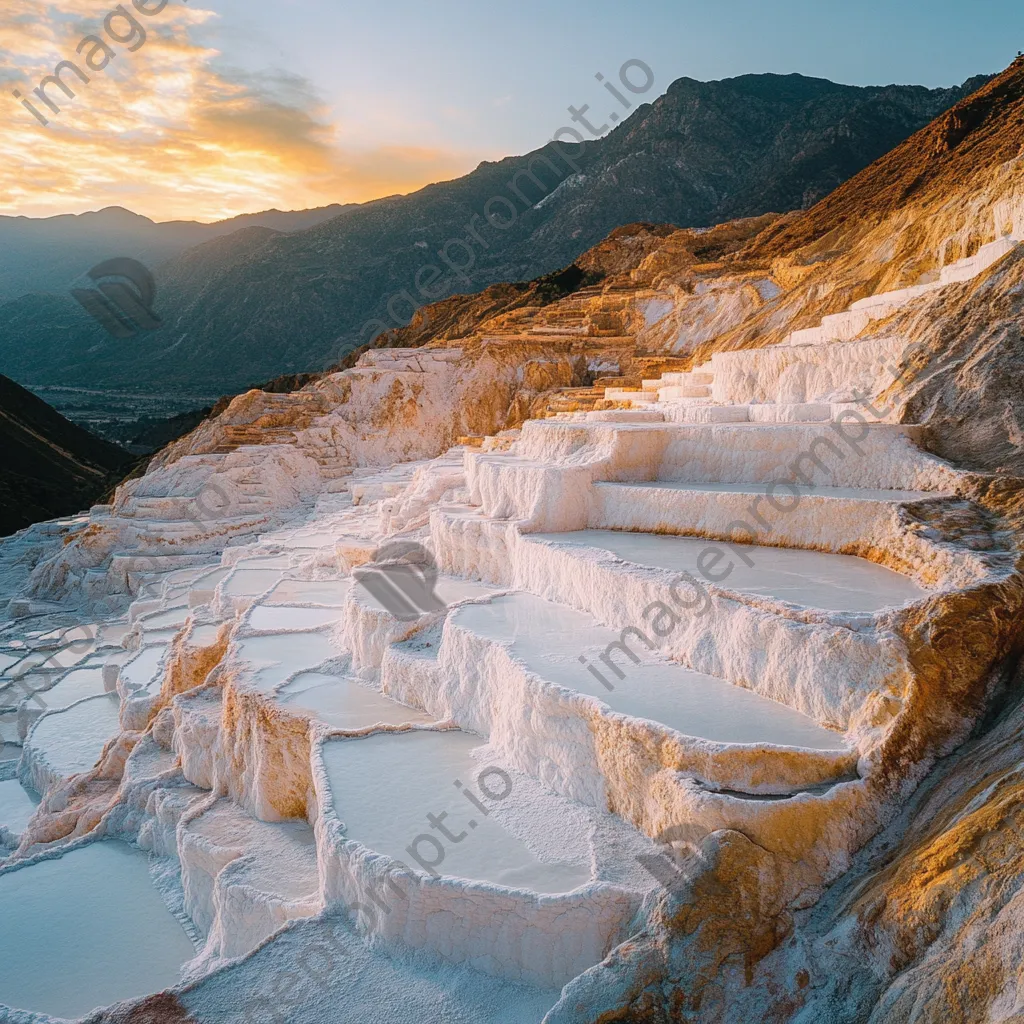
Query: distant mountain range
x,y
50,467
47,254
284,293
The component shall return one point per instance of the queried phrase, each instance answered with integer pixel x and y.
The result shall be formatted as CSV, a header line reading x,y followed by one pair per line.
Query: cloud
x,y
170,131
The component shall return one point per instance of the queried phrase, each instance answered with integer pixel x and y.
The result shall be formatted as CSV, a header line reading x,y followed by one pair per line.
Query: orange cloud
x,y
167,133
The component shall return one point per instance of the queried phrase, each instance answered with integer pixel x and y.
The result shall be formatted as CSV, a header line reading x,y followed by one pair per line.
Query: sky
x,y
234,106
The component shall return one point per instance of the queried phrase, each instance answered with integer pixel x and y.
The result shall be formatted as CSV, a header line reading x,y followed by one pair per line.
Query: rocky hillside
x,y
256,303
50,466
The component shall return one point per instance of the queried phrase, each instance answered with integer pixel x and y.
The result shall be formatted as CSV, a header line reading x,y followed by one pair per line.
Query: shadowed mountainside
x,y
50,466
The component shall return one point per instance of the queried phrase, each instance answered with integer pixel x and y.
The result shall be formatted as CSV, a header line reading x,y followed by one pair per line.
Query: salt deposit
x,y
91,930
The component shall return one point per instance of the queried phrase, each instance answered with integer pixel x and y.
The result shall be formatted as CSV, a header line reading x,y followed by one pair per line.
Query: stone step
x,y
669,394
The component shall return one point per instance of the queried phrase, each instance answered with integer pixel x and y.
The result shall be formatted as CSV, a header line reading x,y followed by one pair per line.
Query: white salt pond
x,y
550,638
78,684
144,668
344,703
332,593
203,636
17,805
385,785
283,616
811,579
165,619
449,589
850,493
276,657
250,582
86,930
71,741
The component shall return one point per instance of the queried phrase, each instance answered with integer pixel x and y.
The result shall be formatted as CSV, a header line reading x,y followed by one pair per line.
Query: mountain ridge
x,y
700,154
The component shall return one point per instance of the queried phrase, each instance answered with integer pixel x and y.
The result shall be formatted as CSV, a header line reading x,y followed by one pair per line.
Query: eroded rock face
x,y
689,694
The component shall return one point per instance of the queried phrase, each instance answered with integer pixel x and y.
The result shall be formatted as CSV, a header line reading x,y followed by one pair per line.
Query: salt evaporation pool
x,y
385,785
17,805
854,493
78,684
551,638
142,670
278,656
89,930
343,703
290,617
331,593
72,740
811,579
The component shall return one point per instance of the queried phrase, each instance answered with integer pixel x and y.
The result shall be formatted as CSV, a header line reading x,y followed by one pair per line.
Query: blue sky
x,y
498,77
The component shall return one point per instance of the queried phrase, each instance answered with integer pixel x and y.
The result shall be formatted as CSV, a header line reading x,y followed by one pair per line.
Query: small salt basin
x,y
811,579
385,785
112,633
282,561
86,930
144,669
72,740
17,805
343,703
203,636
449,589
331,593
276,657
550,639
165,619
250,582
75,686
289,617
851,493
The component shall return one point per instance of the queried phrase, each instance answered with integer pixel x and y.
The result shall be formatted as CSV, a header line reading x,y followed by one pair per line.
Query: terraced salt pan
x,y
17,805
450,589
343,703
78,684
274,658
71,741
551,638
331,593
89,930
385,785
811,579
165,619
143,670
250,582
203,636
289,617
852,493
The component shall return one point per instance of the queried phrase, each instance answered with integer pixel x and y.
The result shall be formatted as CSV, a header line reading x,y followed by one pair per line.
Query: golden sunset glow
x,y
161,131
